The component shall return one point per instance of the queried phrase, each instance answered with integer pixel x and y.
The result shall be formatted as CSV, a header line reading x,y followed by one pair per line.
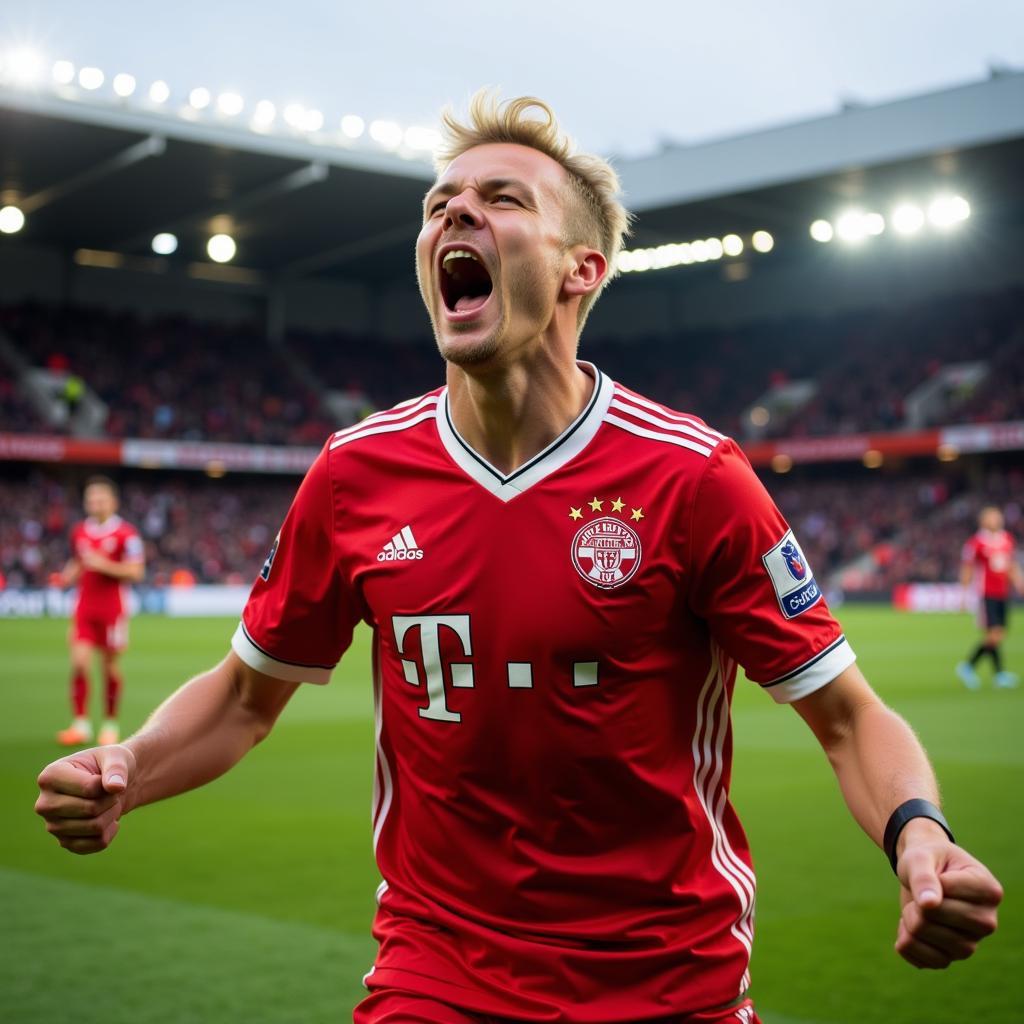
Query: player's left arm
x,y
131,568
132,571
949,898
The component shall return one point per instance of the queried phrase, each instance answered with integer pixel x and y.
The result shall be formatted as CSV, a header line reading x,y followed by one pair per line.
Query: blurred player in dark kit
x,y
990,567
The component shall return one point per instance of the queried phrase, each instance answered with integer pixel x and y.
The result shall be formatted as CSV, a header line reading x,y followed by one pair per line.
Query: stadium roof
x,y
100,178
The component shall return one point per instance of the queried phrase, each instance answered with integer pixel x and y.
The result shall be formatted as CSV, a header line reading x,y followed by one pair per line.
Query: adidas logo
x,y
401,548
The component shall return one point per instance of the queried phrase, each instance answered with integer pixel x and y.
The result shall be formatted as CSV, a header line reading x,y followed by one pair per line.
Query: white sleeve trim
x,y
819,671
255,657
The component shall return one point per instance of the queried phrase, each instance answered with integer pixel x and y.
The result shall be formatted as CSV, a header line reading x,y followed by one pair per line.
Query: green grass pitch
x,y
251,900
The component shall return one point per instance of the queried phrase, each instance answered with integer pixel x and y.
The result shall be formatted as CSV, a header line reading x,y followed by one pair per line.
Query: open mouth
x,y
465,282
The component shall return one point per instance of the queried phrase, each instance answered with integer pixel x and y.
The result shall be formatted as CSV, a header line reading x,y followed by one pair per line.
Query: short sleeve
x,y
753,586
298,620
133,550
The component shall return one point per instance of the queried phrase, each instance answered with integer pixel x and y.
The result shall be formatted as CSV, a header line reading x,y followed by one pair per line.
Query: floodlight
x,y
24,66
661,257
642,259
822,231
426,139
386,133
159,92
124,85
221,248
164,243
762,241
874,223
851,226
960,208
90,78
264,114
312,121
907,219
715,248
294,114
624,262
948,211
12,220
230,104
699,250
352,125
63,72
733,245
199,99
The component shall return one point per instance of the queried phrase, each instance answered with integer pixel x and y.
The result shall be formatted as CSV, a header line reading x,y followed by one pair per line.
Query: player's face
x,y
490,257
100,502
991,519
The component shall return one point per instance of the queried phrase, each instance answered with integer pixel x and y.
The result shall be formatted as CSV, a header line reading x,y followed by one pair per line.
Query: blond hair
x,y
594,216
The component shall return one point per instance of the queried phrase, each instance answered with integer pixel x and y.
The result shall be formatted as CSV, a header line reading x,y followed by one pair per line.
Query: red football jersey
x,y
554,655
991,554
101,596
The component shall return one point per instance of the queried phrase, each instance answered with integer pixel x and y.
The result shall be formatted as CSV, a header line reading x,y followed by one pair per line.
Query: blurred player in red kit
x,y
106,555
990,567
561,577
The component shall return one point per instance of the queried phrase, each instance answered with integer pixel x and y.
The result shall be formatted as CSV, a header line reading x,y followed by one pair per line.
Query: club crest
x,y
606,552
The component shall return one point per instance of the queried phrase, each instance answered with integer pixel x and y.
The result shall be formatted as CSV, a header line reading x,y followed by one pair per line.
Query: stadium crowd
x,y
889,529
171,377
165,377
196,530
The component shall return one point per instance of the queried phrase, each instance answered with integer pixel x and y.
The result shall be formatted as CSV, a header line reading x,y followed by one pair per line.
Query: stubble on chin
x,y
464,351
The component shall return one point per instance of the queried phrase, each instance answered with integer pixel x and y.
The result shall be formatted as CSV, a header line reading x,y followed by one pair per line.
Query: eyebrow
x,y
450,188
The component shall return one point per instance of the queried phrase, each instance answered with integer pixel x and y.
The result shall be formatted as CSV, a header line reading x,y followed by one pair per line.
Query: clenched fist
x,y
82,797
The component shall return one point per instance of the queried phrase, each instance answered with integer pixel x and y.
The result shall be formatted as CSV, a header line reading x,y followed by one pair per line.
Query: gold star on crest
x,y
618,505
575,513
637,514
596,505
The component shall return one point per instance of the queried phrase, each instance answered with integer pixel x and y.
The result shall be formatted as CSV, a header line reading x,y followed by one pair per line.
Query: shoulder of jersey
x,y
660,426
404,416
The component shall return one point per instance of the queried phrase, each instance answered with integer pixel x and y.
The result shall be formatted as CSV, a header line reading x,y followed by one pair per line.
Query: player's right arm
x,y
196,735
967,559
70,573
296,625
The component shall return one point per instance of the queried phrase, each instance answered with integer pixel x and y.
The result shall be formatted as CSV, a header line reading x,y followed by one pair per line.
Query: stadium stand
x,y
860,535
196,530
869,535
318,321
170,377
169,380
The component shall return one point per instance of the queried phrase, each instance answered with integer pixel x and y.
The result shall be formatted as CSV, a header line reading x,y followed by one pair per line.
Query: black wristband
x,y
904,813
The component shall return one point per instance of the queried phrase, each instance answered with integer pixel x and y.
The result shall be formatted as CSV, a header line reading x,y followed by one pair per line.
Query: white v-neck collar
x,y
566,446
98,529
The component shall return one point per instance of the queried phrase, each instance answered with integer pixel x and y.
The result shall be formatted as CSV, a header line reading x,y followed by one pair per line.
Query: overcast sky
x,y
622,76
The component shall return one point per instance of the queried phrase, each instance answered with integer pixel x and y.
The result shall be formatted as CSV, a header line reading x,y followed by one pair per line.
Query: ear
x,y
587,269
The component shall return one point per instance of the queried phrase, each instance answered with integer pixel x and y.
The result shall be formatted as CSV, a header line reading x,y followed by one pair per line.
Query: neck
x,y
509,415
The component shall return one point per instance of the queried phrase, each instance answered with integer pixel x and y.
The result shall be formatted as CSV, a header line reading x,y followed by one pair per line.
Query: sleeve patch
x,y
791,576
265,571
